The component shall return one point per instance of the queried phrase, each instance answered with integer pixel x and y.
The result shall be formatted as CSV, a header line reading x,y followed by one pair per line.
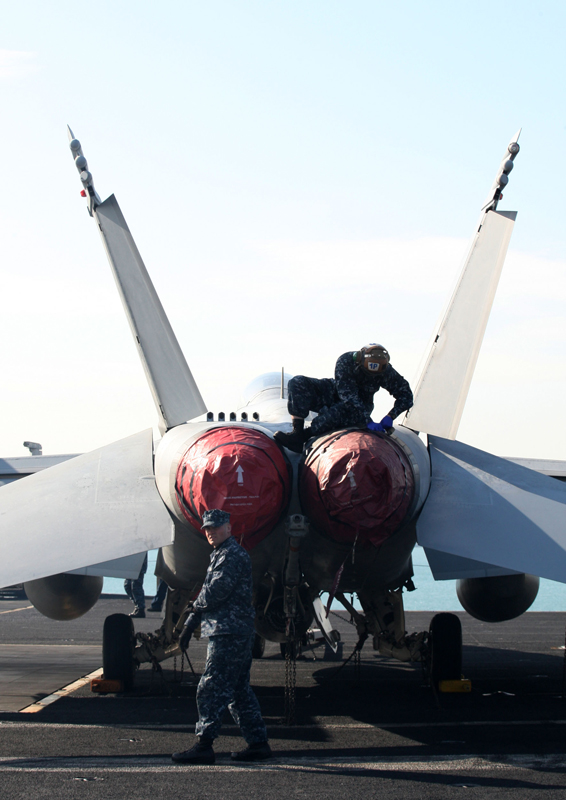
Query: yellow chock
x,y
461,685
104,686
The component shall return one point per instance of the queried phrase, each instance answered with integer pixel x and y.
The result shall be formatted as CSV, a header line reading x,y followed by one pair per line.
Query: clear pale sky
x,y
301,178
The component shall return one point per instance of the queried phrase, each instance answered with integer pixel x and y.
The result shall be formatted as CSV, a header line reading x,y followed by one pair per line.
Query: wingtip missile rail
x,y
502,179
81,164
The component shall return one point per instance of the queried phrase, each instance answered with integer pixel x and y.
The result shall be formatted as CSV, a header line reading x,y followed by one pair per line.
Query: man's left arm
x,y
220,583
191,624
399,388
217,588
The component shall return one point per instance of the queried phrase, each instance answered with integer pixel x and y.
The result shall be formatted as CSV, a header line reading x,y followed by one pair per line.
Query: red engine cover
x,y
240,470
356,484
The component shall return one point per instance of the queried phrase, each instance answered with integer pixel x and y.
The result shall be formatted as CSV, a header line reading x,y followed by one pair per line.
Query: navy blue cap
x,y
215,518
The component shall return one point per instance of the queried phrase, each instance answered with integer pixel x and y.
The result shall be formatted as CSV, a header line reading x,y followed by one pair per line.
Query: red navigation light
x,y
83,193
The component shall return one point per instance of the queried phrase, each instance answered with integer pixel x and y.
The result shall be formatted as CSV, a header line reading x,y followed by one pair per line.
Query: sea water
x,y
430,595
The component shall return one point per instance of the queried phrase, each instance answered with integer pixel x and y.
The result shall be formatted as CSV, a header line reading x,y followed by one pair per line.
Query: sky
x,y
301,178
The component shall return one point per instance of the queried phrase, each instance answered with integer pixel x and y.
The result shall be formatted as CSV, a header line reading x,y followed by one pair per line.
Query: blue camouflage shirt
x,y
224,604
356,386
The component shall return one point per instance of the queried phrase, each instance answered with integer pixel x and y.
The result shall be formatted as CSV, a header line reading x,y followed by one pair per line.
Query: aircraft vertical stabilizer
x,y
172,385
175,393
442,388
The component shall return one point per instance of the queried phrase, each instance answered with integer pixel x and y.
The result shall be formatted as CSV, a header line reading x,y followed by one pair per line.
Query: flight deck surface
x,y
375,728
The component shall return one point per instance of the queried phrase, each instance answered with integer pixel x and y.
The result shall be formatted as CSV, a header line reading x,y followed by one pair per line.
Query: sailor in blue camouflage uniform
x,y
134,589
224,610
345,401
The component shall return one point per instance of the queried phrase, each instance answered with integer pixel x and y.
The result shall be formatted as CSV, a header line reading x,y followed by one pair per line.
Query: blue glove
x,y
185,638
387,422
375,426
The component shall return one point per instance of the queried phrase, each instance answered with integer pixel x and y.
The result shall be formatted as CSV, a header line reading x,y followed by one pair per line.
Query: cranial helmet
x,y
373,358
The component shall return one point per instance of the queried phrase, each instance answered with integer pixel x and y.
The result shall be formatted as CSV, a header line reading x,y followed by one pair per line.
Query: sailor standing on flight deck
x,y
224,609
345,401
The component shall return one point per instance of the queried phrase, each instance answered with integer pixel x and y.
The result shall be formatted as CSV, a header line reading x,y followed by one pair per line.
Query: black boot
x,y
295,440
258,751
200,753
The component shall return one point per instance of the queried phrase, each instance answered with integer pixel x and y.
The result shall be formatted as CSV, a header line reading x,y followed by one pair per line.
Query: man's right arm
x,y
193,621
191,624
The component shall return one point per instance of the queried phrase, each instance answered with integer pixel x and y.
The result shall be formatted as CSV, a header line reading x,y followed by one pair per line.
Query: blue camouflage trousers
x,y
320,395
134,587
225,684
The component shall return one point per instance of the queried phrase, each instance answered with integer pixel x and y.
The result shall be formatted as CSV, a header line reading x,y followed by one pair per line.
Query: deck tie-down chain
x,y
356,655
290,682
357,662
167,685
156,669
180,681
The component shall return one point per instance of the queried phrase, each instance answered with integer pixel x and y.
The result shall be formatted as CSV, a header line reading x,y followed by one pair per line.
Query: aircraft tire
x,y
258,647
445,648
118,649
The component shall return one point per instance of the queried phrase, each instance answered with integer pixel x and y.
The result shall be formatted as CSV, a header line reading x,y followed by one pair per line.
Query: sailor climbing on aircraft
x,y
345,401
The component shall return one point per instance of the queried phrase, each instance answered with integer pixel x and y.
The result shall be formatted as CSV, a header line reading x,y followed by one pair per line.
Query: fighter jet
x,y
342,517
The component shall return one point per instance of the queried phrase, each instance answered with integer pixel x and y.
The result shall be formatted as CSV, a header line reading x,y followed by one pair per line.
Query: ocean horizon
x,y
429,595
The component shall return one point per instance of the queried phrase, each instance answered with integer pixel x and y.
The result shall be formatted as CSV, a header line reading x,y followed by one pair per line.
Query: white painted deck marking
x,y
71,687
274,728
152,764
13,610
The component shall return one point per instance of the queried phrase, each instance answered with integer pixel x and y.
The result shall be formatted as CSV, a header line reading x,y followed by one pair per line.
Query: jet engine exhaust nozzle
x,y
240,470
356,486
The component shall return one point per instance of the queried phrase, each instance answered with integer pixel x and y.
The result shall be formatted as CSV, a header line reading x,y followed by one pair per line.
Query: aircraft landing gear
x,y
118,642
445,648
258,647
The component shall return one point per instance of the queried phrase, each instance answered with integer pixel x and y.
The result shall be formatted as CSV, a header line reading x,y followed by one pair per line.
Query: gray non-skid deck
x,y
376,729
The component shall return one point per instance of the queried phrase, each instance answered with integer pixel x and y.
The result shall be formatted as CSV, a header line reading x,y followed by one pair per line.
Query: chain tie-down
x,y
290,682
